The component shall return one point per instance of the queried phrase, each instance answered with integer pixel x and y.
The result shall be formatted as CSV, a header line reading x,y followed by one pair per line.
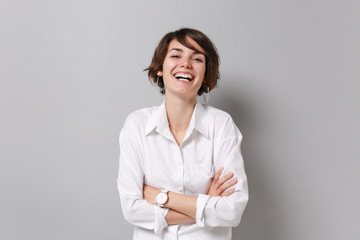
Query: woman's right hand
x,y
222,186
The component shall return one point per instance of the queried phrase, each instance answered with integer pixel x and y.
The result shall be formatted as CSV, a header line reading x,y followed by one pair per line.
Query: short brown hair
x,y
212,59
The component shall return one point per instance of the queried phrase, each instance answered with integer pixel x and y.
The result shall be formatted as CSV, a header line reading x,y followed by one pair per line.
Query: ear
x,y
159,73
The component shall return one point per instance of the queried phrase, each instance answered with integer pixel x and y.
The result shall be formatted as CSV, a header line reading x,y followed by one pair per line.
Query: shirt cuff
x,y
160,221
200,209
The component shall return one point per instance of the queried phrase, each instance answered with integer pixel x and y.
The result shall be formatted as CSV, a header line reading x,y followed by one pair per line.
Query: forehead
x,y
176,44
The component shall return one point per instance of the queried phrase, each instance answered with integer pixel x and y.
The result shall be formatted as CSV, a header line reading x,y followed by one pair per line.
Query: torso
x,y
184,169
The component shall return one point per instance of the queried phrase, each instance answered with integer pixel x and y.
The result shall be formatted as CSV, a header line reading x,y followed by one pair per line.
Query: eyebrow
x,y
181,50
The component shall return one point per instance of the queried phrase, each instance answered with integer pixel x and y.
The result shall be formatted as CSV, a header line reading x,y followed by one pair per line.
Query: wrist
x,y
171,198
162,198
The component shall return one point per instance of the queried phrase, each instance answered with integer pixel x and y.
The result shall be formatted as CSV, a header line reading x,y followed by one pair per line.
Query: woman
x,y
181,173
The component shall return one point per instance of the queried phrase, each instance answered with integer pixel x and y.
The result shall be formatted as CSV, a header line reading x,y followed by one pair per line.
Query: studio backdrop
x,y
71,71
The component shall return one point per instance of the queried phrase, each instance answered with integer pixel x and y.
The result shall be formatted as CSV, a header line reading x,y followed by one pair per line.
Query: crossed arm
x,y
219,206
182,208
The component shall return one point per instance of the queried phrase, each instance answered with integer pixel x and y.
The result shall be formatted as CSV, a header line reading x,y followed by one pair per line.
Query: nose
x,y
186,63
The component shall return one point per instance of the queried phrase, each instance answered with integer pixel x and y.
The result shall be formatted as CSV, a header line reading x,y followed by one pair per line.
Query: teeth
x,y
184,79
183,76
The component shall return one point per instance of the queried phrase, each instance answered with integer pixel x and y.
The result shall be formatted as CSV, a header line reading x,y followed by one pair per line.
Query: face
x,y
183,69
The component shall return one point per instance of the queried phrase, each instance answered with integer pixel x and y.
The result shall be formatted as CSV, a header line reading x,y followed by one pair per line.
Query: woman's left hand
x,y
149,193
222,186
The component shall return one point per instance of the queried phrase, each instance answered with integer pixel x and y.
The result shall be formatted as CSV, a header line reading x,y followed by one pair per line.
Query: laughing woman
x,y
181,172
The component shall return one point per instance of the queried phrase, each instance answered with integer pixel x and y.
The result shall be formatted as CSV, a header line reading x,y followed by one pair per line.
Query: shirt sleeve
x,y
225,211
136,210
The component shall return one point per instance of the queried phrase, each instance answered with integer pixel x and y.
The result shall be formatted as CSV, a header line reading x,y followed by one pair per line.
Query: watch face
x,y
161,198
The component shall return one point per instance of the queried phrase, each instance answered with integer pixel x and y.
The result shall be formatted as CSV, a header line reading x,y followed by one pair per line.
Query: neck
x,y
179,112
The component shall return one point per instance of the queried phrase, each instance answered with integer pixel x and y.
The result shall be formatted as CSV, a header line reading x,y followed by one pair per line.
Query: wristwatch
x,y
162,198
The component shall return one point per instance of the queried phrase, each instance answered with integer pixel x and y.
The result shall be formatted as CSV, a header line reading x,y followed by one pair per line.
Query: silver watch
x,y
162,198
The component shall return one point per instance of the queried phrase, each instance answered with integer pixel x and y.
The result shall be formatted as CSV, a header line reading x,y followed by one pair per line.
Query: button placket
x,y
180,171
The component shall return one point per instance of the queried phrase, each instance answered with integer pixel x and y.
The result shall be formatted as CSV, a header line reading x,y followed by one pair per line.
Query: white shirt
x,y
150,155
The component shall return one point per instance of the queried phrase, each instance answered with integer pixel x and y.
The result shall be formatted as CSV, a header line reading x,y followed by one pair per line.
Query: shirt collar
x,y
158,119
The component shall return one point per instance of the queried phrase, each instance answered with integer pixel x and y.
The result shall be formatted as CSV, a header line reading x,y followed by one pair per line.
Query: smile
x,y
184,76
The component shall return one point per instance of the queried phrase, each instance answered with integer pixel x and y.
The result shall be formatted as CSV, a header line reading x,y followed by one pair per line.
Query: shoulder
x,y
136,120
139,116
217,114
223,124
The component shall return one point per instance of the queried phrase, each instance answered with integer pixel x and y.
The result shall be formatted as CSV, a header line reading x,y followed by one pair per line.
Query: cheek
x,y
202,72
201,68
168,66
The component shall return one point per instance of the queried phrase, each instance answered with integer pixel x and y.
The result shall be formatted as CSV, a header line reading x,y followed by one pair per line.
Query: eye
x,y
198,59
174,56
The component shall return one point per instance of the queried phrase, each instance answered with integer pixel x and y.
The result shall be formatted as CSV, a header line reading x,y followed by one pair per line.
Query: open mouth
x,y
184,77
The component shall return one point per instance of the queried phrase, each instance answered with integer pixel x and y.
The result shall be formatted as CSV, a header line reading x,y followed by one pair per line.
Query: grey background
x,y
71,71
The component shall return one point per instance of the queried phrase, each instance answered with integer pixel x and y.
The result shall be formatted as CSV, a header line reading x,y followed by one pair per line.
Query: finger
x,y
228,184
228,192
225,178
218,174
216,177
